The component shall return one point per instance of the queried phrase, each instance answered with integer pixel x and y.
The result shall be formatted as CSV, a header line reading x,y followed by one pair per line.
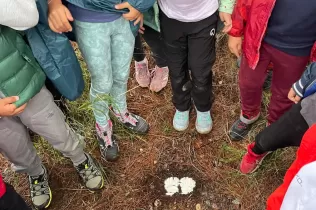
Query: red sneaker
x,y
251,161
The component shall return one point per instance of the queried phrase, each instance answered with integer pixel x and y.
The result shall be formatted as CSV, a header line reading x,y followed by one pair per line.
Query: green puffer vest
x,y
20,74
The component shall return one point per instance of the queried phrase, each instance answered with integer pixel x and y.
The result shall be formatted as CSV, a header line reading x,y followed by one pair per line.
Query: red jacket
x,y
2,187
298,188
250,19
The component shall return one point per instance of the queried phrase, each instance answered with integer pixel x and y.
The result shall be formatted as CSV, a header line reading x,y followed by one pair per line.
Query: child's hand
x,y
132,15
227,20
293,97
59,17
234,44
141,25
8,109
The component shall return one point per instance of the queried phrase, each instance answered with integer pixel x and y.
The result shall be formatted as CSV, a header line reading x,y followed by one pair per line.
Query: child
x,y
271,34
10,199
189,30
290,128
298,188
158,78
25,103
107,43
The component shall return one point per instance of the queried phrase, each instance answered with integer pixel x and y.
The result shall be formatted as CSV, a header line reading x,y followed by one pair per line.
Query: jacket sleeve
x,y
226,6
305,155
240,17
307,83
142,5
18,14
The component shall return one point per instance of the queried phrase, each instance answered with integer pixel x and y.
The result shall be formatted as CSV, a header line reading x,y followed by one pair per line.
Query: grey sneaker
x,y
91,174
108,146
133,122
41,194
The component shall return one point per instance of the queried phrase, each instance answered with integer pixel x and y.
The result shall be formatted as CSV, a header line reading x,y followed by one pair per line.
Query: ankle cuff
x,y
249,121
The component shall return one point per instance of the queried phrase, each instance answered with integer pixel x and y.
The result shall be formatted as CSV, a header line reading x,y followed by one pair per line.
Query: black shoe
x,y
239,129
108,146
268,81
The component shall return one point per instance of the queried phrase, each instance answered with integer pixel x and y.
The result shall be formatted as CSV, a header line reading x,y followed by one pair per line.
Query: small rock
x,y
157,203
236,201
214,206
220,82
198,144
198,207
155,162
204,193
208,203
141,150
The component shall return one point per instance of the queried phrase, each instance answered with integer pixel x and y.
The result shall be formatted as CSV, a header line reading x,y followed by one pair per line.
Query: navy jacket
x,y
306,86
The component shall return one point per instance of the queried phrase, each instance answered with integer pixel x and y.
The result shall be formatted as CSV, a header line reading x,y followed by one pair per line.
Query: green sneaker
x,y
41,194
91,174
204,122
181,120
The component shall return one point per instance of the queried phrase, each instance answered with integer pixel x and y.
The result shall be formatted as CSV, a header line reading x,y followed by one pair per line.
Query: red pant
x,y
287,69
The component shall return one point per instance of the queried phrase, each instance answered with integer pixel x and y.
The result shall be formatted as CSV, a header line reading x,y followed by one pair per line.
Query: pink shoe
x,y
142,73
160,78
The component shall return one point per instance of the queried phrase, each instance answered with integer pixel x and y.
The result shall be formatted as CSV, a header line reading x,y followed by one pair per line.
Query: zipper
x,y
26,58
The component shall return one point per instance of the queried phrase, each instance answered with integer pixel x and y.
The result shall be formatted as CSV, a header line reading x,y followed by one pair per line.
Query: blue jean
x,y
107,49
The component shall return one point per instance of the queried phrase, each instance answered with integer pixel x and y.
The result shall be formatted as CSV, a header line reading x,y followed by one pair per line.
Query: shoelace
x,y
204,117
126,118
160,72
141,69
87,171
130,119
106,135
39,187
242,125
181,115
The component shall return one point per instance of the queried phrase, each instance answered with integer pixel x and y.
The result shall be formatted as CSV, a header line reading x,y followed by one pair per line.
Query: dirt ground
x,y
135,181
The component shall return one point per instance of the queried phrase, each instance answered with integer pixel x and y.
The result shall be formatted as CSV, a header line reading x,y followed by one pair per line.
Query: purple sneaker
x,y
142,73
160,78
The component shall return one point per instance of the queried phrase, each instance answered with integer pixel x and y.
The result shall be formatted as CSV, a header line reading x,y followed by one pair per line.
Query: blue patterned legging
x,y
107,49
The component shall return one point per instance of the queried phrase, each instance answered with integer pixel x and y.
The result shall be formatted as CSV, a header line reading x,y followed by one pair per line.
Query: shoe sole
x,y
180,130
260,163
203,132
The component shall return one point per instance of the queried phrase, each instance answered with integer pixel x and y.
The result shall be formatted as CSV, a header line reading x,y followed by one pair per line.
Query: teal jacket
x,y
151,17
109,5
56,56
20,74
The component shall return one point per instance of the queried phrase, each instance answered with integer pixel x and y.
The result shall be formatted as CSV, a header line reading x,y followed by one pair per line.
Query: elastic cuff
x,y
249,121
298,88
226,10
